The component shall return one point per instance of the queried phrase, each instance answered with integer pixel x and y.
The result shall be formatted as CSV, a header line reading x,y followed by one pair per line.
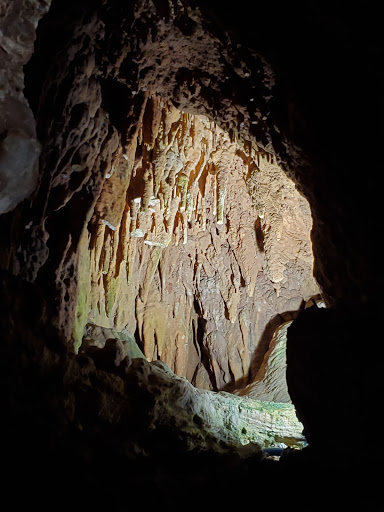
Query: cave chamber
x,y
175,212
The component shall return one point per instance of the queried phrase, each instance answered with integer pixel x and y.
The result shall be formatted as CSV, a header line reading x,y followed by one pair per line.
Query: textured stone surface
x,y
270,381
327,99
151,217
103,386
187,266
19,148
96,336
201,417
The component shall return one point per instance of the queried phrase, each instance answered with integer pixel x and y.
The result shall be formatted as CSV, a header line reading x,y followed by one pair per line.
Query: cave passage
x,y
163,217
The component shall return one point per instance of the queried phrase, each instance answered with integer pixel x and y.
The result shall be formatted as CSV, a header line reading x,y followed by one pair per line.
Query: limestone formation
x,y
199,259
162,209
156,158
270,381
19,147
110,382
201,417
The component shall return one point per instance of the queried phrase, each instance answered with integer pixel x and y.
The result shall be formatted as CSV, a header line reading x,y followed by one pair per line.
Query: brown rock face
x,y
158,212
213,243
162,212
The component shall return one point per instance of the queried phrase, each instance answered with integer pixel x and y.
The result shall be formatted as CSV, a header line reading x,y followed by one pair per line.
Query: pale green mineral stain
x,y
110,297
183,184
233,420
83,294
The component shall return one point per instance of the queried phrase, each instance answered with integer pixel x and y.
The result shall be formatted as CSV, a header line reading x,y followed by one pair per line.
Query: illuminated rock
x,y
204,419
155,291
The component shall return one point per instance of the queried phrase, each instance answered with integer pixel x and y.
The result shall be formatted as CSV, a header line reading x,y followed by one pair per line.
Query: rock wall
x,y
187,267
161,208
270,380
19,147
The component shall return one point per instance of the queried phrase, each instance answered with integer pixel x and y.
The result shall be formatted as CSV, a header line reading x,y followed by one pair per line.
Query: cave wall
x,y
183,266
328,100
20,148
162,208
172,48
101,79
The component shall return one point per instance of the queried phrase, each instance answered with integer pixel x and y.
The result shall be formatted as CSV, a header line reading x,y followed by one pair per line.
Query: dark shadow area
x,y
259,235
198,336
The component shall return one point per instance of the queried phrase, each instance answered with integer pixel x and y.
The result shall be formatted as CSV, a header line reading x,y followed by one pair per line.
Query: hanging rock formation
x,y
155,119
152,217
186,266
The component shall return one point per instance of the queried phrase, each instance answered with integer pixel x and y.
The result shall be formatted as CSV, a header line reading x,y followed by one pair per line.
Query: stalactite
x,y
195,193
148,187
